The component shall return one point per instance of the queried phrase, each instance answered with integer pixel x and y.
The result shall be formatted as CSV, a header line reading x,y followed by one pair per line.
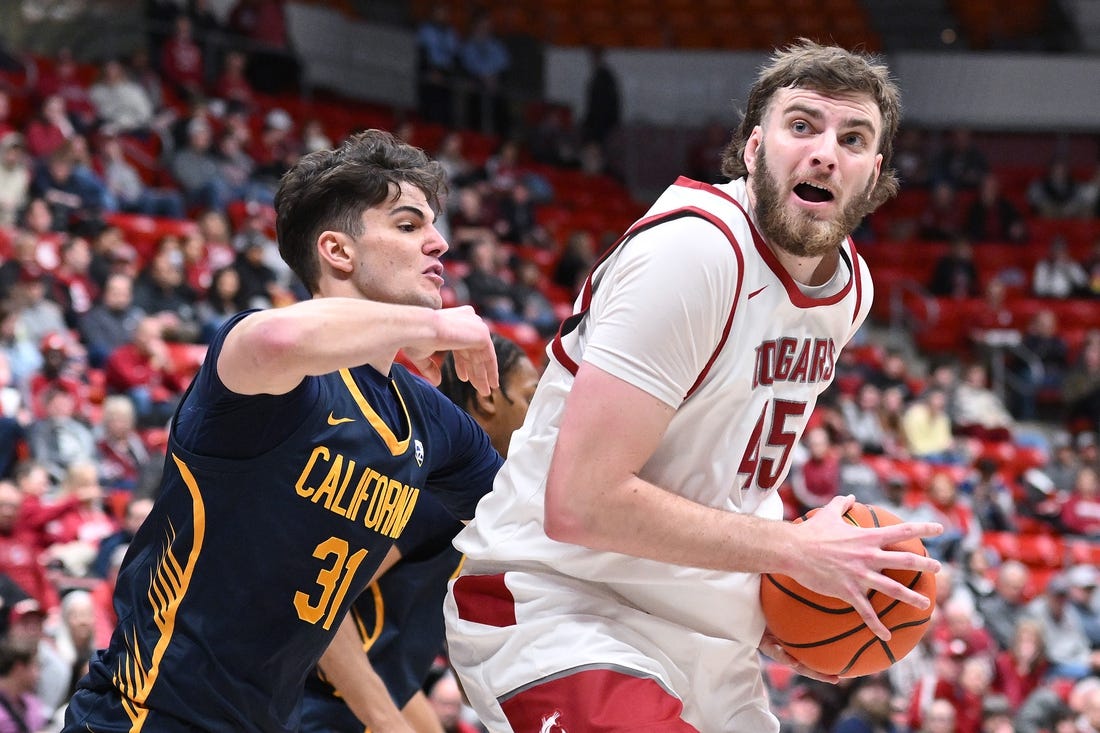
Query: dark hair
x,y
330,190
12,653
826,69
462,393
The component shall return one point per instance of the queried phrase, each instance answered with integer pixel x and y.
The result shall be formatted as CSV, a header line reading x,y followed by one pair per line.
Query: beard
x,y
795,231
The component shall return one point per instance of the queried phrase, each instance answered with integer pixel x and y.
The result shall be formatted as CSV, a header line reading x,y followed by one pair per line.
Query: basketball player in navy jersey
x,y
399,618
295,462
612,576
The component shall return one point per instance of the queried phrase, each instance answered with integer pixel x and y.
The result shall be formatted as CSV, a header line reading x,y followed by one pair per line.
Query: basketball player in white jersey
x,y
612,575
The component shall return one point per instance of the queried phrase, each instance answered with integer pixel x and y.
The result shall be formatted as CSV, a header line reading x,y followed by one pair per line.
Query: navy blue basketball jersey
x,y
259,543
399,619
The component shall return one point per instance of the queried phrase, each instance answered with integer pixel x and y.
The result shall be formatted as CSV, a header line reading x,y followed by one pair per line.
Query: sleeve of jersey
x,y
659,311
467,461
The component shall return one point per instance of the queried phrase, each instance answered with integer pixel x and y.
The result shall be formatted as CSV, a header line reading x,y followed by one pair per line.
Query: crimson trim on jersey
x,y
571,323
798,298
484,599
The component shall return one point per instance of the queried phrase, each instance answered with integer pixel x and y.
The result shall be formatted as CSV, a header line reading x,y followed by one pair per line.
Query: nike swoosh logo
x,y
757,292
333,420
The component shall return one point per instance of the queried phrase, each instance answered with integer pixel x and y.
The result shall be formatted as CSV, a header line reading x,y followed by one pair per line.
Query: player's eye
x,y
800,126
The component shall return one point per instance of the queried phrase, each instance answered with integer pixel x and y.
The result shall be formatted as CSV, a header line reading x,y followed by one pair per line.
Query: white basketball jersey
x,y
769,351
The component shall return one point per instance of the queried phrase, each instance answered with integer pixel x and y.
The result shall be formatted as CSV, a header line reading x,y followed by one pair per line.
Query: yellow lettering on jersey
x,y
318,452
388,502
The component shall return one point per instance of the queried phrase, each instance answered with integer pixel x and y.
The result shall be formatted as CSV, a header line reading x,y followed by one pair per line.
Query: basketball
x,y
826,634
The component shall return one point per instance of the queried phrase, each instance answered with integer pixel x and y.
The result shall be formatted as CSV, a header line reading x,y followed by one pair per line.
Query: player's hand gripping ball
x,y
826,634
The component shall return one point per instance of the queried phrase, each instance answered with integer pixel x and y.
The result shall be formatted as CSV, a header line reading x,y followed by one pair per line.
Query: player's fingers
x,y
890,587
866,612
908,561
841,504
428,369
895,533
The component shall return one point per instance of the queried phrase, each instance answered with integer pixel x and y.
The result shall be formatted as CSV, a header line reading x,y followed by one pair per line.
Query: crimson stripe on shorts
x,y
596,700
485,599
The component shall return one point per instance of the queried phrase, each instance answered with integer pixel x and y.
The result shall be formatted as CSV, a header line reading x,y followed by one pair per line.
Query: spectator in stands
x,y
978,410
868,709
489,292
926,426
1055,194
990,497
232,84
73,287
992,217
142,72
1022,667
437,46
955,275
1081,393
961,161
911,158
21,709
445,697
65,81
240,173
74,637
460,170
532,305
259,284
123,456
24,358
144,370
38,316
137,509
577,258
59,439
804,711
121,104
13,403
602,111
940,716
50,128
517,215
19,552
111,321
181,60
1081,510
130,191
472,218
995,319
942,218
856,476
1050,351
111,253
957,627
26,629
314,137
273,68
161,290
1084,601
62,367
1051,708
961,531
1058,275
198,169
72,195
218,238
15,178
76,534
815,479
1062,464
276,150
485,59
1071,655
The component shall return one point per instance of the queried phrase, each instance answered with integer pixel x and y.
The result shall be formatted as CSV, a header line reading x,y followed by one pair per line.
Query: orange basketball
x,y
826,634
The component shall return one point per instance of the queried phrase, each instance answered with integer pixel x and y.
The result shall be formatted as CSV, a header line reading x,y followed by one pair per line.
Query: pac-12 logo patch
x,y
418,452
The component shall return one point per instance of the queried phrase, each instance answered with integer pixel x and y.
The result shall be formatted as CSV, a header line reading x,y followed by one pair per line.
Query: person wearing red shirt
x,y
1081,511
1020,669
50,129
144,370
19,555
181,61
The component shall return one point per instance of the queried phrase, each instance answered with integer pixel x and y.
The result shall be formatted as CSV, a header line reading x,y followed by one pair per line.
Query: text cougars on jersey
x,y
384,503
805,360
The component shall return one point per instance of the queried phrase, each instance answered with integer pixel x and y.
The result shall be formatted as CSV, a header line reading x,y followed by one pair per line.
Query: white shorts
x,y
543,652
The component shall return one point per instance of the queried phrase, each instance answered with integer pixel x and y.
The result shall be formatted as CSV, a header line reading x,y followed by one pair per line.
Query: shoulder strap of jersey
x,y
571,323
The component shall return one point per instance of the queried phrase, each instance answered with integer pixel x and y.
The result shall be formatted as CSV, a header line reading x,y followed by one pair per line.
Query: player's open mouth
x,y
813,193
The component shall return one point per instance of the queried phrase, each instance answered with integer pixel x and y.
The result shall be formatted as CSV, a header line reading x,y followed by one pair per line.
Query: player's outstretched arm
x,y
346,667
271,351
595,498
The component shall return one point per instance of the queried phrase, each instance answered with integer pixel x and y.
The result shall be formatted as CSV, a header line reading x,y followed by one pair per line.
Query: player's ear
x,y
334,249
485,404
752,145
